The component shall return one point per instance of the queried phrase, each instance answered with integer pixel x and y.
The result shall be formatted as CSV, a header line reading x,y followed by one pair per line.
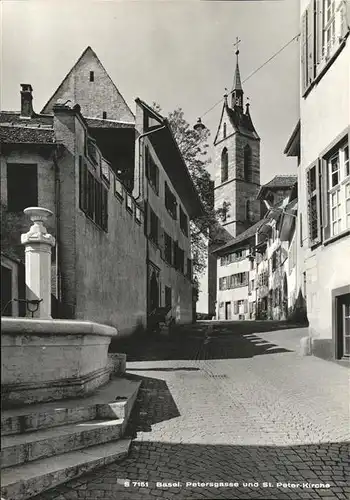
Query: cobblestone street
x,y
226,405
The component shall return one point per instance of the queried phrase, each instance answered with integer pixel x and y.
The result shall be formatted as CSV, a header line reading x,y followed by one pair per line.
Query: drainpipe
x,y
140,162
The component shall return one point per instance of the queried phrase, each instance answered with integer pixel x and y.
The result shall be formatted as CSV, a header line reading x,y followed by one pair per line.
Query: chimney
x,y
26,100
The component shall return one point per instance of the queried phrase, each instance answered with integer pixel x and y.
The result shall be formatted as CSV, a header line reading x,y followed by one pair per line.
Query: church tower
x,y
237,162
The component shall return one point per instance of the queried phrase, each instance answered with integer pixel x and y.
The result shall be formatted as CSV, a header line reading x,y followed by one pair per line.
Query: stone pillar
x,y
38,244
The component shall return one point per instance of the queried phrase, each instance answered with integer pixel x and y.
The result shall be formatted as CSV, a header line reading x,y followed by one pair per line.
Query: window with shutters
x,y
93,197
313,204
168,248
154,226
324,26
339,190
152,171
183,222
170,202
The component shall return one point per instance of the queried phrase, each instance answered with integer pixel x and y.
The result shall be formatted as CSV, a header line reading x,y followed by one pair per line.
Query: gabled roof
x,y
57,93
278,182
241,238
172,161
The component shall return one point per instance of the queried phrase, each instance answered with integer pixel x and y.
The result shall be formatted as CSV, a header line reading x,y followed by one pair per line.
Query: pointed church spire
x,y
237,90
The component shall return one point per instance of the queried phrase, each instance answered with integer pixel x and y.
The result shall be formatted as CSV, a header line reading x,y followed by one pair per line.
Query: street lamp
x,y
199,127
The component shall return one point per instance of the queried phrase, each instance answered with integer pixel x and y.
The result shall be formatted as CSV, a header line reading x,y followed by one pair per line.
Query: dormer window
x,y
92,76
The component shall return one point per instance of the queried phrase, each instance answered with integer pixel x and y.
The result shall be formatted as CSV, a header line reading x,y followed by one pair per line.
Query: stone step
x,y
24,481
22,448
113,401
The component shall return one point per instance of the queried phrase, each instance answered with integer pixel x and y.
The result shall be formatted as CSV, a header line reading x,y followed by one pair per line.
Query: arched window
x,y
224,131
248,211
247,163
224,165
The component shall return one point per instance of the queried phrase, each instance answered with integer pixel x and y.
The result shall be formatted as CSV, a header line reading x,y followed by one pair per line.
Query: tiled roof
x,y
248,233
26,135
15,118
281,181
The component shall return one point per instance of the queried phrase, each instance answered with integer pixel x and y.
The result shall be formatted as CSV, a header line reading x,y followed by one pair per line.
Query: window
x,y
93,197
324,26
179,256
232,257
339,190
224,130
328,26
234,281
154,223
168,246
168,297
91,150
313,201
92,76
183,222
129,203
138,215
118,188
105,171
247,163
104,115
189,269
22,186
170,202
152,171
224,165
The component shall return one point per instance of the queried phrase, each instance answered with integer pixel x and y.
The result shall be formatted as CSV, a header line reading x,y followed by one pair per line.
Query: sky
x,y
178,53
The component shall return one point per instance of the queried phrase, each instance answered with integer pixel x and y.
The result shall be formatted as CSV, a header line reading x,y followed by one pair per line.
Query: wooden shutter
x,y
313,183
344,18
245,306
235,307
304,51
324,185
310,43
319,30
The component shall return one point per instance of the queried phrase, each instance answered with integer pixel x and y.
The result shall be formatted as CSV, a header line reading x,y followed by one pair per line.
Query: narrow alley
x,y
227,412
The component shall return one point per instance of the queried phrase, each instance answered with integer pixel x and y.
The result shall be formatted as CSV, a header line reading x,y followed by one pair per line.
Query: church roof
x,y
237,84
241,121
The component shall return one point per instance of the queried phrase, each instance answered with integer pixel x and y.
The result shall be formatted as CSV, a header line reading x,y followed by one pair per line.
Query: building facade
x,y
164,188
53,161
324,175
257,269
